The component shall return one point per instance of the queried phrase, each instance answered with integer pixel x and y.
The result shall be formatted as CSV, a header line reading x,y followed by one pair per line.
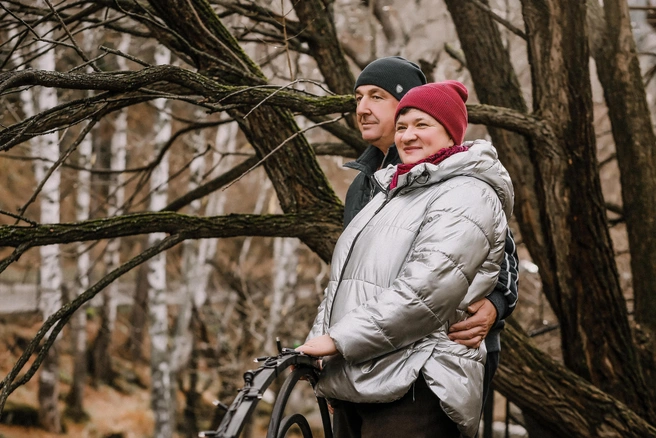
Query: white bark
x,y
47,146
116,196
46,149
161,397
226,142
191,268
82,208
285,276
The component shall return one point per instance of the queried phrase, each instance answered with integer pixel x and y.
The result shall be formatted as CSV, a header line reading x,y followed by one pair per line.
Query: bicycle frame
x,y
255,384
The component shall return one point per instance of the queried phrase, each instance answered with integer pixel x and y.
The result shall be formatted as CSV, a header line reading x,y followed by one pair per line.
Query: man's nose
x,y
362,107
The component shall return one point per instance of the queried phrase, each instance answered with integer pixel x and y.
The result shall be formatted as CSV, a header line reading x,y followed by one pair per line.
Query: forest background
x,y
171,188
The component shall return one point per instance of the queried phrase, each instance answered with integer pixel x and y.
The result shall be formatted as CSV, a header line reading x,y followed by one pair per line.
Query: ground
x,y
124,414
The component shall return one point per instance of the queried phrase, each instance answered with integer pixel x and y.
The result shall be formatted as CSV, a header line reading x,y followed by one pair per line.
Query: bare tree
x,y
549,149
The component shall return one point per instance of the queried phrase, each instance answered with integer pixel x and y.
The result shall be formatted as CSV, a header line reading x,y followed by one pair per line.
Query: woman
x,y
404,270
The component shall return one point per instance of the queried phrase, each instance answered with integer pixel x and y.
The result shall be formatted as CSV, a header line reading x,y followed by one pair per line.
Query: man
x,y
378,89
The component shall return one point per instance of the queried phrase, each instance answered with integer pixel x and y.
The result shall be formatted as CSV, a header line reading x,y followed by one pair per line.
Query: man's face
x,y
375,113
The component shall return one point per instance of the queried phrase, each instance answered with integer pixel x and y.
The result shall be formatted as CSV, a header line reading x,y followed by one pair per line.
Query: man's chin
x,y
369,137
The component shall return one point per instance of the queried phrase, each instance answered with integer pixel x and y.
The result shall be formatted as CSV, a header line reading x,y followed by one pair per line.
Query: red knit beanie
x,y
444,101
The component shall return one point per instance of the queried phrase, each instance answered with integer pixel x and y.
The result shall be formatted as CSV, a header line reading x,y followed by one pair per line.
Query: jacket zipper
x,y
357,236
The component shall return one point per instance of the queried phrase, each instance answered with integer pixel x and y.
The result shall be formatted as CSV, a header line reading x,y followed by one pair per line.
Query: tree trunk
x,y
50,275
191,264
102,371
75,398
48,392
576,263
193,397
138,315
496,83
619,73
577,229
285,275
160,360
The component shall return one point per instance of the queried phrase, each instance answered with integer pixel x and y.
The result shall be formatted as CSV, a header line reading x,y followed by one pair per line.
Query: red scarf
x,y
436,158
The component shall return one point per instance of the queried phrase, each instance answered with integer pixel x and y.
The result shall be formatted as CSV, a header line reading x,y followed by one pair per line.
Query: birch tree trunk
x,y
160,366
75,397
201,268
45,148
191,262
50,279
285,254
103,370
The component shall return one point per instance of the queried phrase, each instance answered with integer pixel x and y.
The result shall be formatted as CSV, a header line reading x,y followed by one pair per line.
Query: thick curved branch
x,y
568,404
301,225
160,78
511,120
167,79
196,83
65,115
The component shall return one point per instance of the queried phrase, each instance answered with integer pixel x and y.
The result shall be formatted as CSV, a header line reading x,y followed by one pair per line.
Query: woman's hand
x,y
320,346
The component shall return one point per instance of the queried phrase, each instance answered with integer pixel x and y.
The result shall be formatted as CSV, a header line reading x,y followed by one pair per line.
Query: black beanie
x,y
393,74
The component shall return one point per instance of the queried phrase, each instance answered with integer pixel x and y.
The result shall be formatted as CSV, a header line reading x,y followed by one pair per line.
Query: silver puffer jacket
x,y
403,271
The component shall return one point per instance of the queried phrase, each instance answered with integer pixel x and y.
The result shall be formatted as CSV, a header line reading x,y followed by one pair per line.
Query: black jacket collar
x,y
373,159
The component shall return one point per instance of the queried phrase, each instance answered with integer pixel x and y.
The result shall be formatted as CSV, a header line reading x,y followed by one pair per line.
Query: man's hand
x,y
474,329
320,346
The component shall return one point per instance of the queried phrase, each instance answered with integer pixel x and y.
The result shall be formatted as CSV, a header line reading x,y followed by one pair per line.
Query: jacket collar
x,y
480,161
373,158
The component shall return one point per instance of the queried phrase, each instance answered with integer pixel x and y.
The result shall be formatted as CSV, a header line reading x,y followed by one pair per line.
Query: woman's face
x,y
419,135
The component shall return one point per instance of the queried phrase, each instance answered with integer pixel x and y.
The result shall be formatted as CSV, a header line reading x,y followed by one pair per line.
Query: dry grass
x,y
110,411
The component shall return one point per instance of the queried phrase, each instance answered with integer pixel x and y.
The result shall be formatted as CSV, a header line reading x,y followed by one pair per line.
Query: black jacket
x,y
364,187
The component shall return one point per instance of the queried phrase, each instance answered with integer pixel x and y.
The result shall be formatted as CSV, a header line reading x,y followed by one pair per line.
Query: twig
x,y
279,89
68,32
482,6
287,140
20,249
19,217
58,163
91,61
125,55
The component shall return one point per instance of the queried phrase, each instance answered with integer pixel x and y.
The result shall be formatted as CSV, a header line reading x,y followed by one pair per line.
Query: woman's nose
x,y
408,134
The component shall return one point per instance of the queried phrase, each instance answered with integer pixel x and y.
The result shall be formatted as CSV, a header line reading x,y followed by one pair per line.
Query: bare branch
x,y
58,163
192,227
70,36
287,140
58,320
507,24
